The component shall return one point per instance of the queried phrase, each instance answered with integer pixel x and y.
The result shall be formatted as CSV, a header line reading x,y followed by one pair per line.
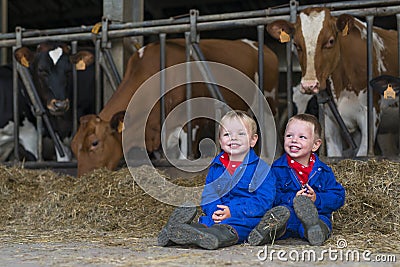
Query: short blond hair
x,y
243,116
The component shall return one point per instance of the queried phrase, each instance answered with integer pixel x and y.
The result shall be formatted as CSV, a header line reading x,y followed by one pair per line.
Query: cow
x,y
334,50
97,142
50,67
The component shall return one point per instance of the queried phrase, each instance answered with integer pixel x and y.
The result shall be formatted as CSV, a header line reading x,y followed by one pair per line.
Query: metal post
x,y
189,95
261,119
370,96
3,29
74,48
398,62
15,107
289,62
98,102
162,81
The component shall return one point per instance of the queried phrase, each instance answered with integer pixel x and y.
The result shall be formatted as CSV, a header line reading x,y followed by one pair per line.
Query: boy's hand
x,y
221,214
307,191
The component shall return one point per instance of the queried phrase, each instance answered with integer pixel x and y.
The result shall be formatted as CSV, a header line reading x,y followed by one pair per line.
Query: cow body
x,y
97,144
335,50
51,69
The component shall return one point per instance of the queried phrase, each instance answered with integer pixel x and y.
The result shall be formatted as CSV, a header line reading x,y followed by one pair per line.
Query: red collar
x,y
230,165
302,172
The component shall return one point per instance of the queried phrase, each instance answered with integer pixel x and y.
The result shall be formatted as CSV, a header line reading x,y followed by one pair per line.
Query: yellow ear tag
x,y
121,127
80,65
389,92
284,37
345,30
24,62
96,28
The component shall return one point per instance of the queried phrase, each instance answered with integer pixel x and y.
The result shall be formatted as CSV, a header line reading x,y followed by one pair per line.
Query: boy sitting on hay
x,y
306,189
237,193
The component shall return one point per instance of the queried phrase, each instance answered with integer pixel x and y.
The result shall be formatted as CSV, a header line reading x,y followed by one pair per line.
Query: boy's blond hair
x,y
247,120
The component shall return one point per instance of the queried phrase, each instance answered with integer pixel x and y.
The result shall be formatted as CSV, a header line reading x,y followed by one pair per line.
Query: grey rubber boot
x,y
271,226
216,236
178,216
315,230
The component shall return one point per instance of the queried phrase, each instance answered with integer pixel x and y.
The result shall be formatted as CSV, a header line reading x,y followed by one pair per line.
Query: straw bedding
x,y
43,205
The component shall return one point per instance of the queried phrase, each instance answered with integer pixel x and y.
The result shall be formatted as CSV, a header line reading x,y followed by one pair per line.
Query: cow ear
x,y
345,23
24,56
280,30
82,59
66,48
84,120
117,121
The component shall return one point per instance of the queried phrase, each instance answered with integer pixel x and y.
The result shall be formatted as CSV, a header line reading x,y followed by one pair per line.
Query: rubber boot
x,y
271,226
315,230
178,216
216,236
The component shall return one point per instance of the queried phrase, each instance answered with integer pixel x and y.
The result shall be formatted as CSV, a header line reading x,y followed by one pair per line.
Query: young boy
x,y
305,187
236,195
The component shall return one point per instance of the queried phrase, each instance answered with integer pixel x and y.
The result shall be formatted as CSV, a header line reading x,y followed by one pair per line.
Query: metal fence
x,y
190,26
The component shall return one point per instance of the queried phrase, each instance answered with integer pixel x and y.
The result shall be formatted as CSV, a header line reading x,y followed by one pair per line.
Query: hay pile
x,y
104,203
371,215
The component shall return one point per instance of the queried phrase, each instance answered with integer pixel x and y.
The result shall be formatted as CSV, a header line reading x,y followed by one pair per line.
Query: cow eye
x,y
95,143
330,43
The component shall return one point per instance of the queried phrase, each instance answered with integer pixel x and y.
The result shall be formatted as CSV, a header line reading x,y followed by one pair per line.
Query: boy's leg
x,y
315,230
271,227
178,216
216,236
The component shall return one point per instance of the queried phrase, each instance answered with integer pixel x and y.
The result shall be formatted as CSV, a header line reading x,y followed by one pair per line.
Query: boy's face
x,y
300,141
236,139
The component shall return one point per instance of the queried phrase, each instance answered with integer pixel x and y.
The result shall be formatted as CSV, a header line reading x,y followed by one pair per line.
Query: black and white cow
x,y
51,69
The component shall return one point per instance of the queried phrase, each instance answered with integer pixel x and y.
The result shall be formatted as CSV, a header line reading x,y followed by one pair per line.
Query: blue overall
x,y
248,193
330,194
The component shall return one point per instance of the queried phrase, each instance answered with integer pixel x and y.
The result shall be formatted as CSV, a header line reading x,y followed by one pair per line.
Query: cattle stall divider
x,y
203,23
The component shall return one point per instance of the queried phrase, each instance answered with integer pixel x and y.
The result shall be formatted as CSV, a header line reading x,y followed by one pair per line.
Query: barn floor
x,y
106,219
30,250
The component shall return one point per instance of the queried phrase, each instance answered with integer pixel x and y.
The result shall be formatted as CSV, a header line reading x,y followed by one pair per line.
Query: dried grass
x,y
43,205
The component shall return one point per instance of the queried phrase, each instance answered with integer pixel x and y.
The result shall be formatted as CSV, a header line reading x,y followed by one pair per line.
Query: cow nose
x,y
309,87
60,105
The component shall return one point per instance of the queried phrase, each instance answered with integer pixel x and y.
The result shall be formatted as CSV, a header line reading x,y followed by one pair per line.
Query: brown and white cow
x,y
334,48
98,143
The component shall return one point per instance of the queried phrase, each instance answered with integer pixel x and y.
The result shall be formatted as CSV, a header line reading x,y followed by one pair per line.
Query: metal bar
x,y
215,17
370,95
39,129
39,109
105,69
198,56
97,66
15,107
74,45
162,37
261,119
289,62
188,95
111,63
398,62
325,96
201,26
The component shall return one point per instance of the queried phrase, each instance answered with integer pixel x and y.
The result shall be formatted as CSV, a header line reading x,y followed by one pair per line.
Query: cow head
x,y
316,36
51,70
98,143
